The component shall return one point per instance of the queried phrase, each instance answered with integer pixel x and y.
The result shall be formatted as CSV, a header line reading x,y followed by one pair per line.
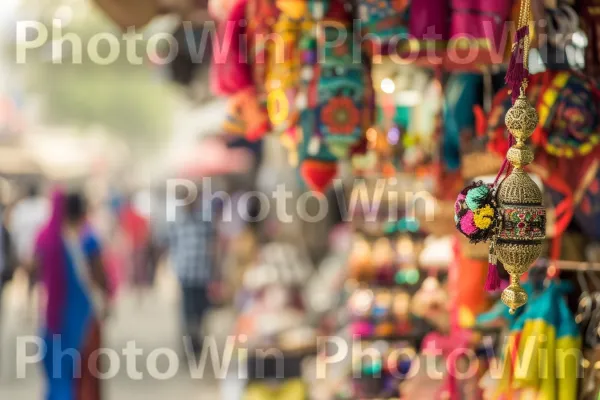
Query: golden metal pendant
x,y
523,218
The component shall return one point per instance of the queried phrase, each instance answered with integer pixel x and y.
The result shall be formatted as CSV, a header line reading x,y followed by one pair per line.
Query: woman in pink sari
x,y
68,257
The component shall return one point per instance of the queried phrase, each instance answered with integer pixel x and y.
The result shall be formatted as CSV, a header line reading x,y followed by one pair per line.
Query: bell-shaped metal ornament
x,y
522,225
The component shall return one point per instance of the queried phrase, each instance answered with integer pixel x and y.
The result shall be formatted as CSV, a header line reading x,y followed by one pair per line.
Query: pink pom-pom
x,y
467,223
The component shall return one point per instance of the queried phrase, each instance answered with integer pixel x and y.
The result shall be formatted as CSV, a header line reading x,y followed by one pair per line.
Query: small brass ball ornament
x,y
522,221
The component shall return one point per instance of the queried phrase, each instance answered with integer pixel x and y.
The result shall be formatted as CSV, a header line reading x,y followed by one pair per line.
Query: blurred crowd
x,y
79,253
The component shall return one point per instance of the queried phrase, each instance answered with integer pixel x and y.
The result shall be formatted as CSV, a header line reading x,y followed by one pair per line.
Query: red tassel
x,y
517,72
492,283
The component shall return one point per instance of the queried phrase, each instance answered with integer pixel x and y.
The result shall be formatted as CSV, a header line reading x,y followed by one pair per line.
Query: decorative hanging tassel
x,y
517,72
492,283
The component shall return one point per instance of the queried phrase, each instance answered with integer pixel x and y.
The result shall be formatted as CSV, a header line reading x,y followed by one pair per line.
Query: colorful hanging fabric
x,y
261,15
232,75
344,93
545,328
245,115
483,20
462,92
283,68
230,72
384,21
340,93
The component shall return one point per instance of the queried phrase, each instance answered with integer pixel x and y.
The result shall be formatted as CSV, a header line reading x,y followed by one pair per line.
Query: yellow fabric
x,y
466,318
293,389
544,365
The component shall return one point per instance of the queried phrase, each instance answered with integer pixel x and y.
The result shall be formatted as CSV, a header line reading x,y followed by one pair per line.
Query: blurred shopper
x,y
27,218
8,258
192,248
141,251
69,260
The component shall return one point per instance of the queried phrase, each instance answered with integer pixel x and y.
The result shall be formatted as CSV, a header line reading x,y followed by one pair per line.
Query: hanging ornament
x,y
523,217
515,221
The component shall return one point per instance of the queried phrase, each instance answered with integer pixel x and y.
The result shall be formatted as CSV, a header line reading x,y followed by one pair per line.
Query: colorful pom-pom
x,y
467,223
476,197
483,217
475,212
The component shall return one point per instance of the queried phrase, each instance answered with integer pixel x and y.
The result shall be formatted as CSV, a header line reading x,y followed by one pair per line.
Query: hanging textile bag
x,y
480,20
343,93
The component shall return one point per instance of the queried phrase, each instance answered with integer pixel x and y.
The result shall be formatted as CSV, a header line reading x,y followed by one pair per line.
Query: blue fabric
x,y
462,92
77,316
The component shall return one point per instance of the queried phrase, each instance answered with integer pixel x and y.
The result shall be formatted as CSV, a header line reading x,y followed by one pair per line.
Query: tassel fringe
x,y
517,72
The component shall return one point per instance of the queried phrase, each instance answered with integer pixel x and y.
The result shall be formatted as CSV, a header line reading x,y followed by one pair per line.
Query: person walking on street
x,y
192,249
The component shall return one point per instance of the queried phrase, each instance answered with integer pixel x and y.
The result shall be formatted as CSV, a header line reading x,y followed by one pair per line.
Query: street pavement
x,y
151,320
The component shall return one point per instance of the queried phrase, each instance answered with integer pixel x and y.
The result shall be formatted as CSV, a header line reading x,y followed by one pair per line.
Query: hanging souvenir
x,y
341,92
567,141
283,67
509,212
260,17
231,75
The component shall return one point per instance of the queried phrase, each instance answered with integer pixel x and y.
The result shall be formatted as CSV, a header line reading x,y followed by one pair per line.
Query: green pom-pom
x,y
477,196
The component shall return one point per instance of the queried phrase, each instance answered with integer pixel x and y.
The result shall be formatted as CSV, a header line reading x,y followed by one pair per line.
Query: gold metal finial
x,y
522,229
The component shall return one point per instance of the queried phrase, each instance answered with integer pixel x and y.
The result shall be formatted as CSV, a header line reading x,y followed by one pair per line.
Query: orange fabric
x,y
468,287
245,106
